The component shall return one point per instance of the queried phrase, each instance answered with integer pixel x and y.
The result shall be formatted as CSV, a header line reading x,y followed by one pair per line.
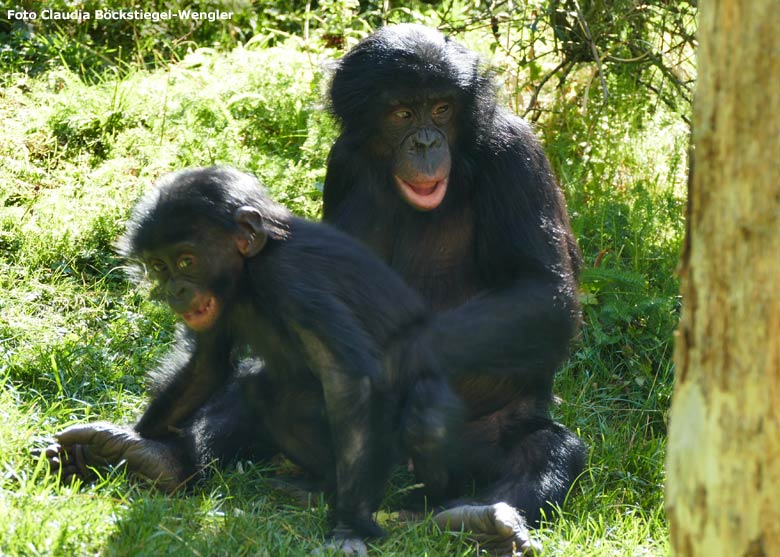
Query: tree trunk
x,y
723,462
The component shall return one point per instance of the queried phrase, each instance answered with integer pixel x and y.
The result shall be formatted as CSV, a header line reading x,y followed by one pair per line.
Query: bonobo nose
x,y
175,290
177,294
427,139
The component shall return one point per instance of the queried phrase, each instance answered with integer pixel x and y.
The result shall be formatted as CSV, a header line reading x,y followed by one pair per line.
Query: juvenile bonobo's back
x,y
318,259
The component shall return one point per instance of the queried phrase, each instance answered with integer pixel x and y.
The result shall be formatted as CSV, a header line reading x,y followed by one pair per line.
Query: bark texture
x,y
723,461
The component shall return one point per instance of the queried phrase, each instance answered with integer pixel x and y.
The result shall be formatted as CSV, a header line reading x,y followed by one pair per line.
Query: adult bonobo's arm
x,y
523,327
199,365
527,260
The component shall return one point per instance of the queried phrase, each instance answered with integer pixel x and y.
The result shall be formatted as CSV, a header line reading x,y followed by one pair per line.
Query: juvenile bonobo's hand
x,y
82,447
498,527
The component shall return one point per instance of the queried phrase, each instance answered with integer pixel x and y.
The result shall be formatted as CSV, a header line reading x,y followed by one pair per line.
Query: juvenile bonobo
x,y
326,317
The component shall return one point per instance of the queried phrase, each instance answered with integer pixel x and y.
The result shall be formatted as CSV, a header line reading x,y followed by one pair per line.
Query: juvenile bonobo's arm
x,y
345,359
199,365
361,443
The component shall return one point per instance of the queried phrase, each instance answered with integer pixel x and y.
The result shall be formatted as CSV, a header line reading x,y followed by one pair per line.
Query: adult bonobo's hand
x,y
82,448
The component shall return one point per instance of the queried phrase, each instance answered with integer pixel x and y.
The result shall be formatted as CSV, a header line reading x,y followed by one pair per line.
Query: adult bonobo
x,y
457,195
326,316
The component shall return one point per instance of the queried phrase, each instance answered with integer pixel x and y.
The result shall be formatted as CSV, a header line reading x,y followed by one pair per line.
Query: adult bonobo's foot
x,y
498,527
343,541
353,547
84,447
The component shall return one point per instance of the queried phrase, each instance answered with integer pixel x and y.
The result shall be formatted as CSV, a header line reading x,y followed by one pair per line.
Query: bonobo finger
x,y
56,464
52,451
62,464
49,451
68,474
55,454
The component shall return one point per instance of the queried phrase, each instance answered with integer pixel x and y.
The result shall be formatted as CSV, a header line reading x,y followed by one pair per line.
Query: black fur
x,y
335,392
496,257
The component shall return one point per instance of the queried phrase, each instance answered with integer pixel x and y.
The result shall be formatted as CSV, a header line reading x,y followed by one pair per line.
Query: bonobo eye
x,y
157,266
184,262
402,114
441,109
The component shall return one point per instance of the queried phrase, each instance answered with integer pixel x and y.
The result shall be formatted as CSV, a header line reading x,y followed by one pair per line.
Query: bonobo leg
x,y
430,432
222,430
534,472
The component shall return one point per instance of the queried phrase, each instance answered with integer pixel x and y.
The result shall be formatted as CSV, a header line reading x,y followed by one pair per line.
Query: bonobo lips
x,y
203,313
423,195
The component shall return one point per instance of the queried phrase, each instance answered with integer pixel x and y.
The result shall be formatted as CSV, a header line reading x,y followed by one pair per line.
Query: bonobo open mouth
x,y
204,314
423,195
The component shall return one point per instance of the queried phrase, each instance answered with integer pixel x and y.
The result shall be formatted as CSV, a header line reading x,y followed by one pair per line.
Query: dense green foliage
x,y
94,113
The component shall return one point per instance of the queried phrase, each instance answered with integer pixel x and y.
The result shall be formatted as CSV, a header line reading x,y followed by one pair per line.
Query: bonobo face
x,y
196,278
421,133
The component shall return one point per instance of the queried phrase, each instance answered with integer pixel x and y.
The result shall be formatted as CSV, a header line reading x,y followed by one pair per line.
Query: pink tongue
x,y
195,313
424,189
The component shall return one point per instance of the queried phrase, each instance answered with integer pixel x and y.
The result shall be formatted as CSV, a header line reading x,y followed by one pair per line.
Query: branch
x,y
593,49
668,102
544,80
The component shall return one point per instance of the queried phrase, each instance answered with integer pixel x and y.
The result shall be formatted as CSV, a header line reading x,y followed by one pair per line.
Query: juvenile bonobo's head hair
x,y
191,235
184,201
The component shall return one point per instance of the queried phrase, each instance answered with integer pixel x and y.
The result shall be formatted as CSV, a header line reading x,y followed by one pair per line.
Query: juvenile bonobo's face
x,y
197,277
420,133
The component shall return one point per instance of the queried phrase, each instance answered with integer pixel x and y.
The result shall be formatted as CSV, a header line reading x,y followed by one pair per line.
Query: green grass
x,y
76,339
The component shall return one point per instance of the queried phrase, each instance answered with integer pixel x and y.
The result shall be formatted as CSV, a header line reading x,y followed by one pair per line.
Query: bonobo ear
x,y
252,236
